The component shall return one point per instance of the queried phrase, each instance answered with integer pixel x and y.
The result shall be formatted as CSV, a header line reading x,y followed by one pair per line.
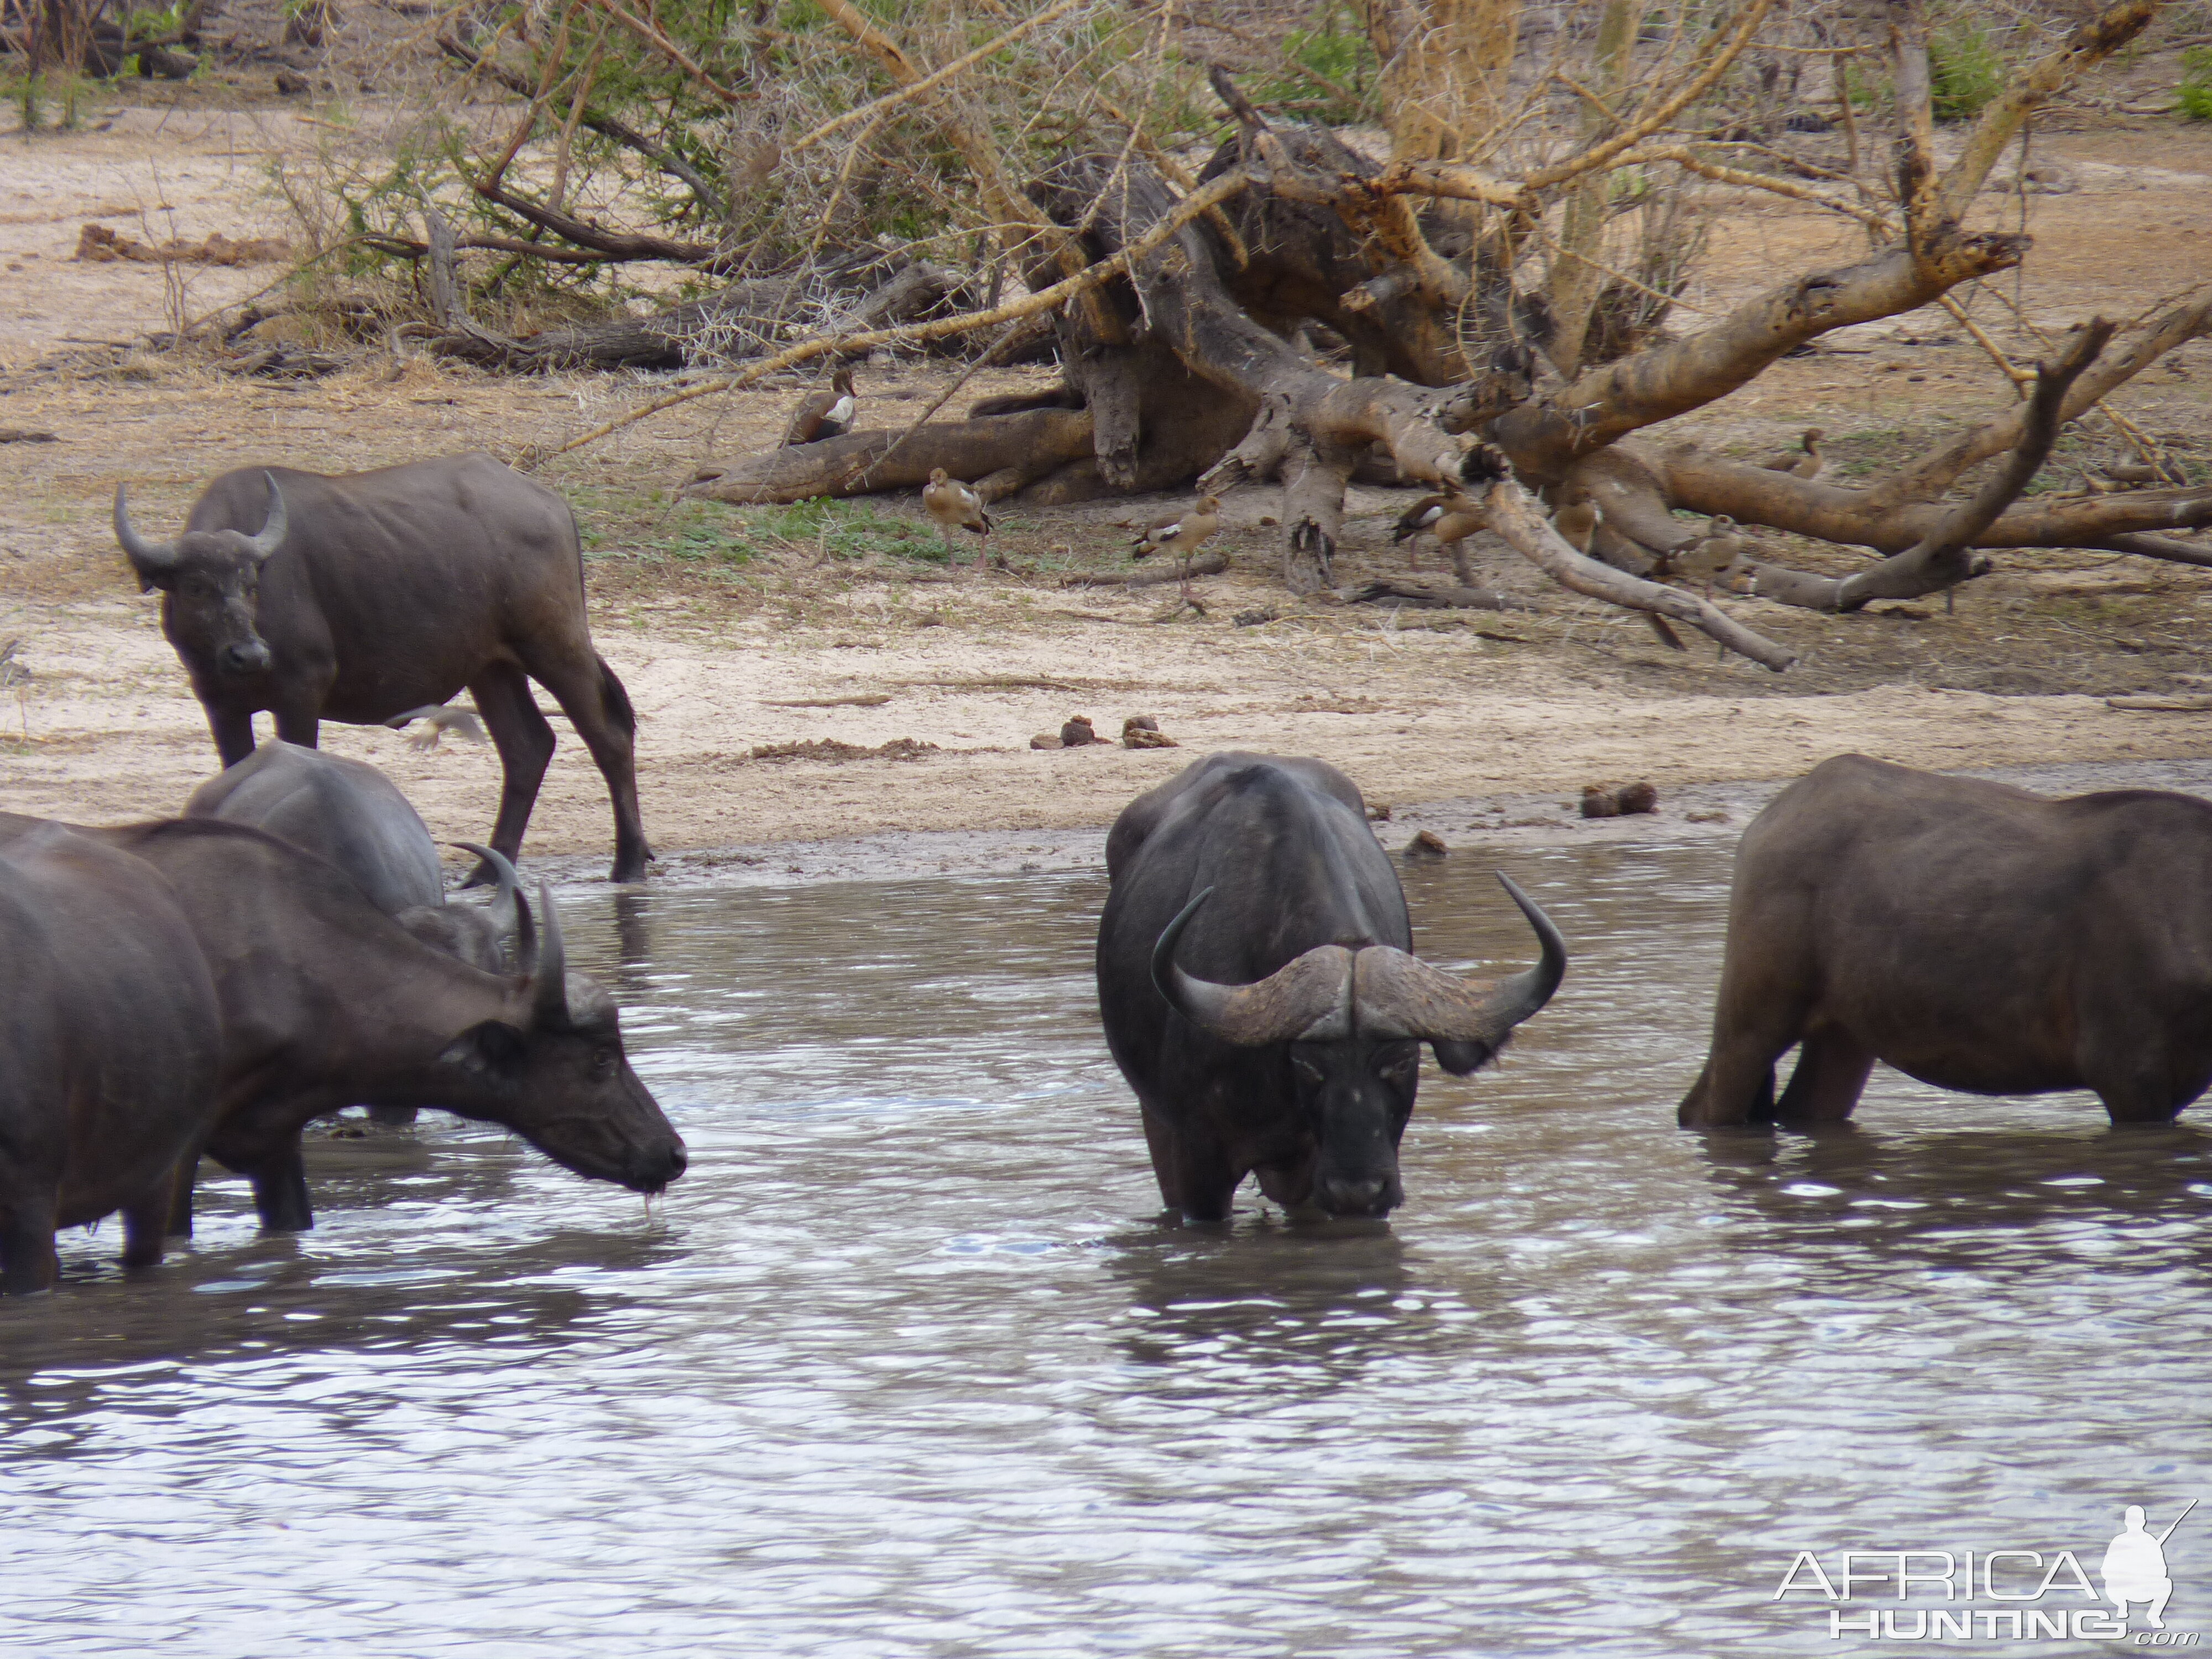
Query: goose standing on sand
x,y
953,506
1181,534
825,413
1450,519
1576,524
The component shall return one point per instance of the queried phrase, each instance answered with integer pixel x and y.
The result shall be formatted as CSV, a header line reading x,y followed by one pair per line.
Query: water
x,y
908,1366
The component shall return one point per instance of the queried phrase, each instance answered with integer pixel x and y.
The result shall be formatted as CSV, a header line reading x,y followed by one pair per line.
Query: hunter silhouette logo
x,y
2134,1565
2000,1594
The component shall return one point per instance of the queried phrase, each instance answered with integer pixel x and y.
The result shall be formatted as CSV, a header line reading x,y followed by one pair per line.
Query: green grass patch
x,y
839,529
2193,99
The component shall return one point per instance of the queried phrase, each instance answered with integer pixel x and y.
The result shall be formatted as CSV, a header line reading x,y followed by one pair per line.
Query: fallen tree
x,y
1189,367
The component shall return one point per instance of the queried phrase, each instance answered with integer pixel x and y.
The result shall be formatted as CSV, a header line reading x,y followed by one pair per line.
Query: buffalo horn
x,y
273,528
1398,995
516,923
549,980
1307,999
147,556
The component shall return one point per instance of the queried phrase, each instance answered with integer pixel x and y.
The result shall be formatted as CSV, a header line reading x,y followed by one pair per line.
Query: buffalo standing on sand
x,y
1972,935
1259,992
362,596
109,1045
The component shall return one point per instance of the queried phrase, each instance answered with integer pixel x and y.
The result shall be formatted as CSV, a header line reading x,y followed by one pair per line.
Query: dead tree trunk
x,y
1187,365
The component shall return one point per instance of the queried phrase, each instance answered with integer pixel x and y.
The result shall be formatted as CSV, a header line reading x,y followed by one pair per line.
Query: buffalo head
x,y
1352,1022
209,581
554,1070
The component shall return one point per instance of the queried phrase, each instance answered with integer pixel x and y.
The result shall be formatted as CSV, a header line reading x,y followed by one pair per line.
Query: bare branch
x,y
930,82
1942,558
1514,515
1211,195
1697,87
2002,118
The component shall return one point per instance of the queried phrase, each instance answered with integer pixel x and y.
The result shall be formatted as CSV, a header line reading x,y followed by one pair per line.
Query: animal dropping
x,y
1615,801
1143,731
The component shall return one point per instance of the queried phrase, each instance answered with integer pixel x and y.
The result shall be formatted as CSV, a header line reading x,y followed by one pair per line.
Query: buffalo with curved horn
x,y
1289,1045
365,596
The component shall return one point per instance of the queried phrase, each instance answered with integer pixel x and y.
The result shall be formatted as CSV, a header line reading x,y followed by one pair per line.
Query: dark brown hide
x,y
327,1002
1974,936
394,589
109,1043
1247,1002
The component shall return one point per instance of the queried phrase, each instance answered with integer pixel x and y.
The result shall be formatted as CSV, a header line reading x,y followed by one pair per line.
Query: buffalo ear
x,y
1461,1059
490,1050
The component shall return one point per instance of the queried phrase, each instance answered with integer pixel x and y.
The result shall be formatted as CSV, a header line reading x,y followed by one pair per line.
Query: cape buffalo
x,y
1972,935
355,817
327,1002
109,1045
1258,992
364,596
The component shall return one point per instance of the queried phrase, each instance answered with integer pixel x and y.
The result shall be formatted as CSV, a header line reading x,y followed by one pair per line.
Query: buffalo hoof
x,y
630,866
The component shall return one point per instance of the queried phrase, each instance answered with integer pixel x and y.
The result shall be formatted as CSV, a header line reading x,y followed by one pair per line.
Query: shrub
x,y
1965,70
2193,98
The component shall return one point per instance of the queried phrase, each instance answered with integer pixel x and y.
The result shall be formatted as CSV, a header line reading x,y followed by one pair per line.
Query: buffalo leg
x,y
2144,1098
233,731
28,1259
1833,1067
525,750
599,707
146,1224
1752,1029
182,1180
301,726
1195,1175
280,1192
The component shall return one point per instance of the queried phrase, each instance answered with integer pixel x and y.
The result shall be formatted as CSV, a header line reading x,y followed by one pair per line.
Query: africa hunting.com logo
x,y
2004,1594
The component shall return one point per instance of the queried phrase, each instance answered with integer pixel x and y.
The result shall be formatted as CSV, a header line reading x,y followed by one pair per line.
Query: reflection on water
x,y
908,1365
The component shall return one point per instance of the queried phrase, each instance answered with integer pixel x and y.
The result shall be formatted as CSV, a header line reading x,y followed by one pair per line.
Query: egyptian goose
x,y
953,506
825,413
1805,461
1450,518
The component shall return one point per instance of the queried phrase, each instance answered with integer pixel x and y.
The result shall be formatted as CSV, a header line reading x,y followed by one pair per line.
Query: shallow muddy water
x,y
908,1366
